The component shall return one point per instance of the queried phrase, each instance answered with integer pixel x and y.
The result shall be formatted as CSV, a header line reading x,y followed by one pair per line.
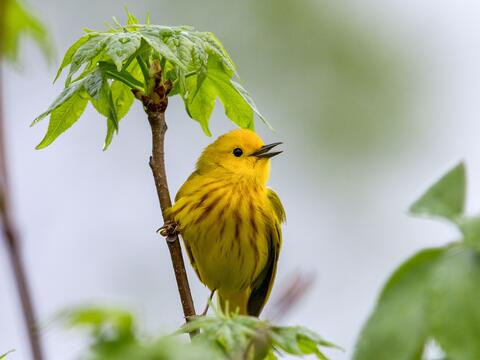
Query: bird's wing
x,y
277,205
263,284
185,188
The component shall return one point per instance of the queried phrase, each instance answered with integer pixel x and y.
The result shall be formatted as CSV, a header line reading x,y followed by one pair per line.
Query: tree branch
x,y
11,237
155,106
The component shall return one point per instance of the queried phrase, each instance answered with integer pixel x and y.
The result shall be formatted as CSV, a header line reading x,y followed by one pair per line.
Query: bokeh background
x,y
372,99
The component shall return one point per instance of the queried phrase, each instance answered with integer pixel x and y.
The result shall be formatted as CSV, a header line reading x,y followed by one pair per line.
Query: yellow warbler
x,y
230,221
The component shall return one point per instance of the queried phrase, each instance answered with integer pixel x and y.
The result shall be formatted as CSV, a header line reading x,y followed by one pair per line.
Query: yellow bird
x,y
230,221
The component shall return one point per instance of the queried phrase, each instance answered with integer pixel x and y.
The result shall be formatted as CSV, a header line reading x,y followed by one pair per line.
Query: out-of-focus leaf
x,y
398,328
94,316
470,227
18,22
64,116
454,311
113,336
3,356
445,198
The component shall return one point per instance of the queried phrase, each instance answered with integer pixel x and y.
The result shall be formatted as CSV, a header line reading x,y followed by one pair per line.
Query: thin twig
x,y
155,106
9,233
293,290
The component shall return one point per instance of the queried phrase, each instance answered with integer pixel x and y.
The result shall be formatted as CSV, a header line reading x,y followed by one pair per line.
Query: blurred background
x,y
372,99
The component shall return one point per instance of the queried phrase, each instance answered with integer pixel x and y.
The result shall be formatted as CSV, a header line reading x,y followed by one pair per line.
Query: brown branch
x,y
155,106
12,240
291,293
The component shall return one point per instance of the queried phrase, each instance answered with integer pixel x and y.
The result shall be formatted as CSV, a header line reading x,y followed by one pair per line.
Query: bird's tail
x,y
234,301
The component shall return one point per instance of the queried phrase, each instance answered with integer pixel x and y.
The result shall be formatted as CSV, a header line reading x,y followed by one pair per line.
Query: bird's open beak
x,y
263,152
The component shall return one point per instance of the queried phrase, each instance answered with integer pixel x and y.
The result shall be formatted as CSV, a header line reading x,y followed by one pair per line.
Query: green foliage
x,y
247,337
397,329
446,198
18,22
104,66
114,336
434,294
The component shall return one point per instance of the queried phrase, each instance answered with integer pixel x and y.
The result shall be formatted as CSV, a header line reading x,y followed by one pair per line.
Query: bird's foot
x,y
168,229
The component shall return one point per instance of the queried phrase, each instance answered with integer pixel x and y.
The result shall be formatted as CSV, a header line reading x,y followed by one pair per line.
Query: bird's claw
x,y
168,229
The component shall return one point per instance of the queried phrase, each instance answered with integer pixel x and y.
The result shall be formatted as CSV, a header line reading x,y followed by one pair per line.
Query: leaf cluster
x,y
433,295
114,336
246,337
105,66
17,23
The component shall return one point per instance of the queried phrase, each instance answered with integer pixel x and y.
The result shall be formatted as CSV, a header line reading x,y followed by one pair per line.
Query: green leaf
x,y
95,83
127,77
87,54
120,46
67,59
122,99
470,227
120,320
298,340
153,38
454,308
64,96
64,116
200,64
132,20
217,84
103,103
246,96
215,47
398,328
181,46
200,106
18,22
446,198
236,108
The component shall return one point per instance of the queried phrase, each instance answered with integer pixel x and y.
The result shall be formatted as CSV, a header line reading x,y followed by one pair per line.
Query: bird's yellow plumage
x,y
230,221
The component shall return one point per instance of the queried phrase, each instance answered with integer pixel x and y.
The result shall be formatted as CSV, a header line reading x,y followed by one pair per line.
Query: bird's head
x,y
241,153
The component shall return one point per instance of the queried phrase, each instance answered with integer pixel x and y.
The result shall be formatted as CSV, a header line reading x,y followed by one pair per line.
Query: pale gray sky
x,y
88,217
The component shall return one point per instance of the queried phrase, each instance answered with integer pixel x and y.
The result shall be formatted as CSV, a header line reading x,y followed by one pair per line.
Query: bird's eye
x,y
237,152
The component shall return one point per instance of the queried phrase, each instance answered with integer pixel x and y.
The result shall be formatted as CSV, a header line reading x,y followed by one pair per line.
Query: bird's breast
x,y
223,225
